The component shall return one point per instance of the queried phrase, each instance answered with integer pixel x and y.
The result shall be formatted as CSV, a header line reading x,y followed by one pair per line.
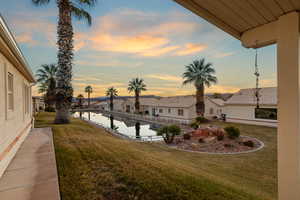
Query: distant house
x,y
105,105
38,104
213,107
241,107
180,108
16,80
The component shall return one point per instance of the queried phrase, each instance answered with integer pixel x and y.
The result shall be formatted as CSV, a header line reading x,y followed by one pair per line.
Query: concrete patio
x,y
32,174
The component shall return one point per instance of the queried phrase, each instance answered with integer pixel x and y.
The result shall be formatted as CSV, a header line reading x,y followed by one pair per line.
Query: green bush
x,y
232,132
194,125
169,133
249,143
49,109
201,119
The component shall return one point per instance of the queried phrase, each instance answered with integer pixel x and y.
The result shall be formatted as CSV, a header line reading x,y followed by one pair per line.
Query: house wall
x,y
246,114
212,109
14,124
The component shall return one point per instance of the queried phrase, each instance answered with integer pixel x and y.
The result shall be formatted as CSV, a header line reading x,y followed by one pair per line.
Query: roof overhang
x,y
10,49
253,22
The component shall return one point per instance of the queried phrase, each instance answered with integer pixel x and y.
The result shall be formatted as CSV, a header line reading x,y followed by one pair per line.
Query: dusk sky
x,y
153,40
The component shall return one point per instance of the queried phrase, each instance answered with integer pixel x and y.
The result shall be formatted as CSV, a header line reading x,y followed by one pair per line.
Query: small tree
x,y
111,93
169,133
88,89
80,99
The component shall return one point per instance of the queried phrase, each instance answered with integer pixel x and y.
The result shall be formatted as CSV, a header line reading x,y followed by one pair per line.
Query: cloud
x,y
98,89
26,38
222,89
160,51
165,77
32,30
113,63
145,34
190,49
222,55
268,83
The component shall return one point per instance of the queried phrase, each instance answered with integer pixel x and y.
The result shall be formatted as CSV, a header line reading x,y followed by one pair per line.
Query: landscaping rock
x,y
209,139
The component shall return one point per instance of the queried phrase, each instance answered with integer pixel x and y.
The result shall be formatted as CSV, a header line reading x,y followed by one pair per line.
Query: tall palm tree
x,y
111,93
46,78
80,98
200,74
67,9
137,85
88,89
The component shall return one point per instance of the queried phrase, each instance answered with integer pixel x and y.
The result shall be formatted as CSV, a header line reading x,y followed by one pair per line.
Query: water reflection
x,y
125,126
137,130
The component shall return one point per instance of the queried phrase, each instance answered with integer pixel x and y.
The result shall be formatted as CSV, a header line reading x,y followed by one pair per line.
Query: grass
x,y
94,165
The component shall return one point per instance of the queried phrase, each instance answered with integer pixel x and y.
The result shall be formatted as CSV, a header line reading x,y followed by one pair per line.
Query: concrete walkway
x,y
32,174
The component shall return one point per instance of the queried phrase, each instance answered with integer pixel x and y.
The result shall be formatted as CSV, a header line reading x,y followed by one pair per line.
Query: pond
x,y
127,127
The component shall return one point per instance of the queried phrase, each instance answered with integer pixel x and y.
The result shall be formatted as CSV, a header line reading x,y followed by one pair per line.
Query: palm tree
x,y
66,9
111,93
200,74
46,78
88,89
137,85
80,98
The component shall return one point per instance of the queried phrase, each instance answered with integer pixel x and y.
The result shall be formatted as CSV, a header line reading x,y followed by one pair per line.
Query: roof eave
x,y
8,37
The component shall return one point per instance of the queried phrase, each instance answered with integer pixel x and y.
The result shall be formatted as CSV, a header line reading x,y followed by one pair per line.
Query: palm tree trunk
x,y
64,92
89,100
111,103
137,102
200,107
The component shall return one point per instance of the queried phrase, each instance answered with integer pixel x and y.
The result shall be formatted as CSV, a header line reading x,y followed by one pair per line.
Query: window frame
x,y
10,92
180,112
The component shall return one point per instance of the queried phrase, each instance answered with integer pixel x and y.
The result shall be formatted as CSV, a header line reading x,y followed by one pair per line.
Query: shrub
x,y
194,125
49,109
228,145
220,137
201,119
187,136
249,143
232,132
169,133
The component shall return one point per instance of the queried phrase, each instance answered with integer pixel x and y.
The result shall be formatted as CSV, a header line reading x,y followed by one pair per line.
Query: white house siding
x,y
212,109
246,114
15,124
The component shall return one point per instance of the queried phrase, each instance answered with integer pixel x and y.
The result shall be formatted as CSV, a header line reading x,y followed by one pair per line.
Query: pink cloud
x,y
190,49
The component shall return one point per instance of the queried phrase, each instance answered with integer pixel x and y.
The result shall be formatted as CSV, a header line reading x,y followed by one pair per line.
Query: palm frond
x,y
199,72
90,3
81,14
40,2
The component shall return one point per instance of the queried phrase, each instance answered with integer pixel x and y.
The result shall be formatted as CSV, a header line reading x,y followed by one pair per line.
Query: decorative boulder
x,y
209,139
194,146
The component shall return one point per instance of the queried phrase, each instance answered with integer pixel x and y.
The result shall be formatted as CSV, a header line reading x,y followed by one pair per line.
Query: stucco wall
x,y
246,114
14,125
210,106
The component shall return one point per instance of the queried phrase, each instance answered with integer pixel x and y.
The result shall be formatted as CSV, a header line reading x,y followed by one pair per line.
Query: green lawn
x,y
94,165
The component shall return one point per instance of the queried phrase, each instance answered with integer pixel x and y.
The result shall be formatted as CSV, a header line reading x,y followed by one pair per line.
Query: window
x,y
169,110
161,110
180,112
211,111
26,90
266,113
10,91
